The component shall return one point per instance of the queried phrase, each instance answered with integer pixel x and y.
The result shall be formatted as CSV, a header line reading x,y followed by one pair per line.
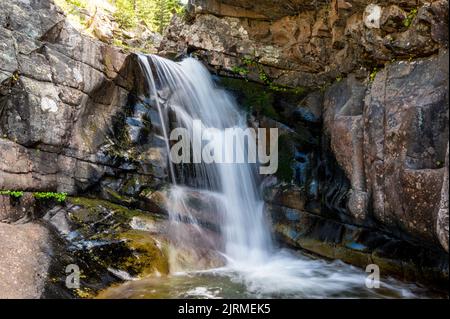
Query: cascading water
x,y
184,92
189,92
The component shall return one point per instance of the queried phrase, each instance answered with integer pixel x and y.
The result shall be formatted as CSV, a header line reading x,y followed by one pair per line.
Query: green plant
x,y
77,3
154,13
240,70
15,194
59,197
410,17
373,74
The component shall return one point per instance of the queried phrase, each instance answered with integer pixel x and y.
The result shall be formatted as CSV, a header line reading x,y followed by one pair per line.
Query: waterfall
x,y
227,195
187,90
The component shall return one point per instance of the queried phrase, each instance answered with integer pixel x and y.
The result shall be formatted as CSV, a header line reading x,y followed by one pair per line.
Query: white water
x,y
186,89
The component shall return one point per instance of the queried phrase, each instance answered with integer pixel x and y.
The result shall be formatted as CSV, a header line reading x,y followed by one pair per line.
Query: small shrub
x,y
410,17
15,194
59,197
373,74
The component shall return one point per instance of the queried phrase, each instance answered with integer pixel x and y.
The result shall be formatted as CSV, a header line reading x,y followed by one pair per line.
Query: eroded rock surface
x,y
307,43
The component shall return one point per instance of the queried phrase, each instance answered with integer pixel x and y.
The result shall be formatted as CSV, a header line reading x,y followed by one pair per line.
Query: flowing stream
x,y
251,265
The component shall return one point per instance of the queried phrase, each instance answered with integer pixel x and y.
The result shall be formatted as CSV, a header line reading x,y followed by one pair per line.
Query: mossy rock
x,y
101,211
149,257
253,97
119,247
286,153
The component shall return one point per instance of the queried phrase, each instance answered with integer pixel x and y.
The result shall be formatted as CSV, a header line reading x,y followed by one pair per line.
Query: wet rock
x,y
343,120
286,196
109,243
358,246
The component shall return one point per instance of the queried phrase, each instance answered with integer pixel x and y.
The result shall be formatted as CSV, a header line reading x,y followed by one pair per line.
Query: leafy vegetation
x,y
410,17
242,71
15,194
373,74
59,197
77,3
156,14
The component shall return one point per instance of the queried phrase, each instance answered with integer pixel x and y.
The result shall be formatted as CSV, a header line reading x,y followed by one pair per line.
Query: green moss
x,y
133,251
240,70
84,293
96,205
115,196
94,210
253,97
151,258
249,64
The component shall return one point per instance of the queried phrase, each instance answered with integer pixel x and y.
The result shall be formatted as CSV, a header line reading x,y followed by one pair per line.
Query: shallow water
x,y
283,276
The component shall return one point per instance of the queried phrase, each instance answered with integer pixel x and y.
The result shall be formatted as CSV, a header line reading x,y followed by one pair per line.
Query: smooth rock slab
x,y
24,260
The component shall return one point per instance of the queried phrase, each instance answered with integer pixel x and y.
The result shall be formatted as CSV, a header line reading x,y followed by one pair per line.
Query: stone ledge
x,y
359,246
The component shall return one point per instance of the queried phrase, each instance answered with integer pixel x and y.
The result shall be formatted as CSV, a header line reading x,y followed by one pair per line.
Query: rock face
x,y
307,43
442,216
72,119
391,141
376,76
69,118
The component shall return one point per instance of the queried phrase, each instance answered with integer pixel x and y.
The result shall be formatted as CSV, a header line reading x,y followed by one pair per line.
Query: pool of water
x,y
284,275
